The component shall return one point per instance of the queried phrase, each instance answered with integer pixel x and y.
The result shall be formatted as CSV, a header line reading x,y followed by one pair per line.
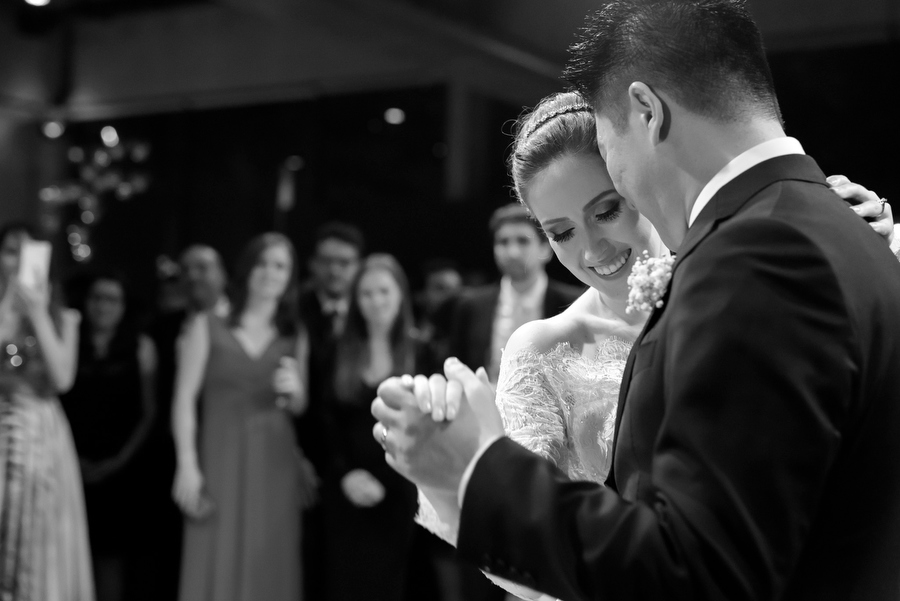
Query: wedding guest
x,y
324,301
436,302
44,552
323,305
337,249
202,282
240,477
486,316
443,281
110,408
368,507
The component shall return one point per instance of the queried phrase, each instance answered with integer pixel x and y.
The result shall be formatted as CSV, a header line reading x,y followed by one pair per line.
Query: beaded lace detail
x,y
562,405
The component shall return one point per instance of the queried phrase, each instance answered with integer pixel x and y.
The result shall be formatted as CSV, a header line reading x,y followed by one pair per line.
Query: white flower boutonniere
x,y
648,280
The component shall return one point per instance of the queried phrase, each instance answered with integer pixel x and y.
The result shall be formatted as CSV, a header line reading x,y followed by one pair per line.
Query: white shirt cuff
x,y
467,475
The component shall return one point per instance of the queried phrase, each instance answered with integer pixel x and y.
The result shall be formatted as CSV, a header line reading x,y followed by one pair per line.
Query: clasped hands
x,y
432,427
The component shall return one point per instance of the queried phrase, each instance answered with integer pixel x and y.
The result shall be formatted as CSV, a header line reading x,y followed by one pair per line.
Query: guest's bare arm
x,y
192,353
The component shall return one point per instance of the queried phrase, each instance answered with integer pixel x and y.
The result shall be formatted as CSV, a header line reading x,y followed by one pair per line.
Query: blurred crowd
x,y
221,445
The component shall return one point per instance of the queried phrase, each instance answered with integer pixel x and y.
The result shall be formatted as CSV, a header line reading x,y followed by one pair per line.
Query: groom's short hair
x,y
706,54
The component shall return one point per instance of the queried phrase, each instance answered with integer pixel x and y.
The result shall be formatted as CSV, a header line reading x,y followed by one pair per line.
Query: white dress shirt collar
x,y
749,158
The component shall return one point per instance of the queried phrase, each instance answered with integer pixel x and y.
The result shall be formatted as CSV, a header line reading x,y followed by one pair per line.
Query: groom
x,y
758,430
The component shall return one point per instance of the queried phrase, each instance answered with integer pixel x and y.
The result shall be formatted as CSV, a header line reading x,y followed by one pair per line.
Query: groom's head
x,y
662,73
706,55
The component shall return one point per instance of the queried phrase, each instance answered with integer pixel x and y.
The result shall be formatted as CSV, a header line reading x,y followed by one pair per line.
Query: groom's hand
x,y
429,453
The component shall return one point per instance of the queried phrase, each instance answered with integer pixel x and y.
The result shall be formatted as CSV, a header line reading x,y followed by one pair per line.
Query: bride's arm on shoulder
x,y
868,205
895,244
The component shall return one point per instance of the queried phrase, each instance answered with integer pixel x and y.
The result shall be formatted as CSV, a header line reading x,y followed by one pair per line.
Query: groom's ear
x,y
650,109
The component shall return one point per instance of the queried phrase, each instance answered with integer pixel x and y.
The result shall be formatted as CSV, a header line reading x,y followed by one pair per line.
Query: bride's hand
x,y
437,396
866,204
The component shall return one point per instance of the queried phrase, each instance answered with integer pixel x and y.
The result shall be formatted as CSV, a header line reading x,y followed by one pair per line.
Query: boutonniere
x,y
648,281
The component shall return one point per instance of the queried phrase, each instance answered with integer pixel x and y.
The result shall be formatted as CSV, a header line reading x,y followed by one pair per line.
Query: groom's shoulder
x,y
802,236
794,215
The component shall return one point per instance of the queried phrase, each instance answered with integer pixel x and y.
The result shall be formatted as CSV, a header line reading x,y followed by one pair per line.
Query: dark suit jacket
x,y
757,453
310,429
473,319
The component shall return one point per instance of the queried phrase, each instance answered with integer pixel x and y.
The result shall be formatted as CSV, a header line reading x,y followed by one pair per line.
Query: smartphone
x,y
34,263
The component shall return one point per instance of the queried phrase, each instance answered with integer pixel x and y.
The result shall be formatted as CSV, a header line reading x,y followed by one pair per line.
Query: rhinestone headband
x,y
566,110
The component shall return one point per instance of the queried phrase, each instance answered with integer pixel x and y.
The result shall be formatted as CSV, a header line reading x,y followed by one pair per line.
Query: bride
x,y
559,377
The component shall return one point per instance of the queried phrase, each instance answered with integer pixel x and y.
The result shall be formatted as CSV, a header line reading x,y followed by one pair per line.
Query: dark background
x,y
214,173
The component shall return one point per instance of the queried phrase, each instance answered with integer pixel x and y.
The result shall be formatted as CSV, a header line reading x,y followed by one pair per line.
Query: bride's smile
x,y
614,266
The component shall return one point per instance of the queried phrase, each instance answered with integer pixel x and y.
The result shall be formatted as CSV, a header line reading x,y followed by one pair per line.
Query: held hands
x,y
288,385
866,204
435,454
362,488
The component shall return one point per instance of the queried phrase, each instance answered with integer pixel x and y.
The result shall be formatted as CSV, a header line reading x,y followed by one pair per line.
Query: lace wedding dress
x,y
560,405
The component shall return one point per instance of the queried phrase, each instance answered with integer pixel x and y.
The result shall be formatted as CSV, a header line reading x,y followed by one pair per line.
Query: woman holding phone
x,y
240,477
44,551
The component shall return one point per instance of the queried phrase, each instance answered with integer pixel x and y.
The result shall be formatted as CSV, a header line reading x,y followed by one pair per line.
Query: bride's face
x,y
592,230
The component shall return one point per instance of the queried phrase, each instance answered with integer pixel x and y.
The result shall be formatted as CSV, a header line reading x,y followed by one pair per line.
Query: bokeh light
x,y
394,116
109,135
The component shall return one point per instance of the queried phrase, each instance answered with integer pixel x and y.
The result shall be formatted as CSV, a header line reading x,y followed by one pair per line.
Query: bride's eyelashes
x,y
562,236
600,217
609,215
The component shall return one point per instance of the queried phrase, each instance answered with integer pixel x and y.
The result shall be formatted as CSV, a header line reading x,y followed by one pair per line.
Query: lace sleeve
x,y
431,517
530,405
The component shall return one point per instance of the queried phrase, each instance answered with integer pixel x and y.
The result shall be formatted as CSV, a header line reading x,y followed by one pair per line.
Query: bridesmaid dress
x,y
248,548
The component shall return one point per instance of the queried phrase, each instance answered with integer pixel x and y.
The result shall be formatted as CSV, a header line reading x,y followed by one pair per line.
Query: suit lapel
x,y
626,380
728,201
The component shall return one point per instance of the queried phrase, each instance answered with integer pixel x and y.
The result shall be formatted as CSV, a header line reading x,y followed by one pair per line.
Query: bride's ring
x,y
883,200
383,435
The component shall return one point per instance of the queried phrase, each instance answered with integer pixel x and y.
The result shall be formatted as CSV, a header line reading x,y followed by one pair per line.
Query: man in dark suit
x,y
338,248
757,449
485,317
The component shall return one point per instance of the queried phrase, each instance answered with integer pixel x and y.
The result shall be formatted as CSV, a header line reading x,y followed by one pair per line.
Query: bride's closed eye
x,y
610,214
562,236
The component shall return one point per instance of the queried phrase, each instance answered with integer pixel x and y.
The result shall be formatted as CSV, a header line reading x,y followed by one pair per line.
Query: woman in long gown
x,y
368,507
559,377
44,552
240,475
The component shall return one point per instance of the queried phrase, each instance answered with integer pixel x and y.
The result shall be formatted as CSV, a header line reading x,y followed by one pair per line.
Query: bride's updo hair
x,y
560,125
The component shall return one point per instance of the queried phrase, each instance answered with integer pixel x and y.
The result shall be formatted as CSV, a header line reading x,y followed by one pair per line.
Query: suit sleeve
x,y
757,379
